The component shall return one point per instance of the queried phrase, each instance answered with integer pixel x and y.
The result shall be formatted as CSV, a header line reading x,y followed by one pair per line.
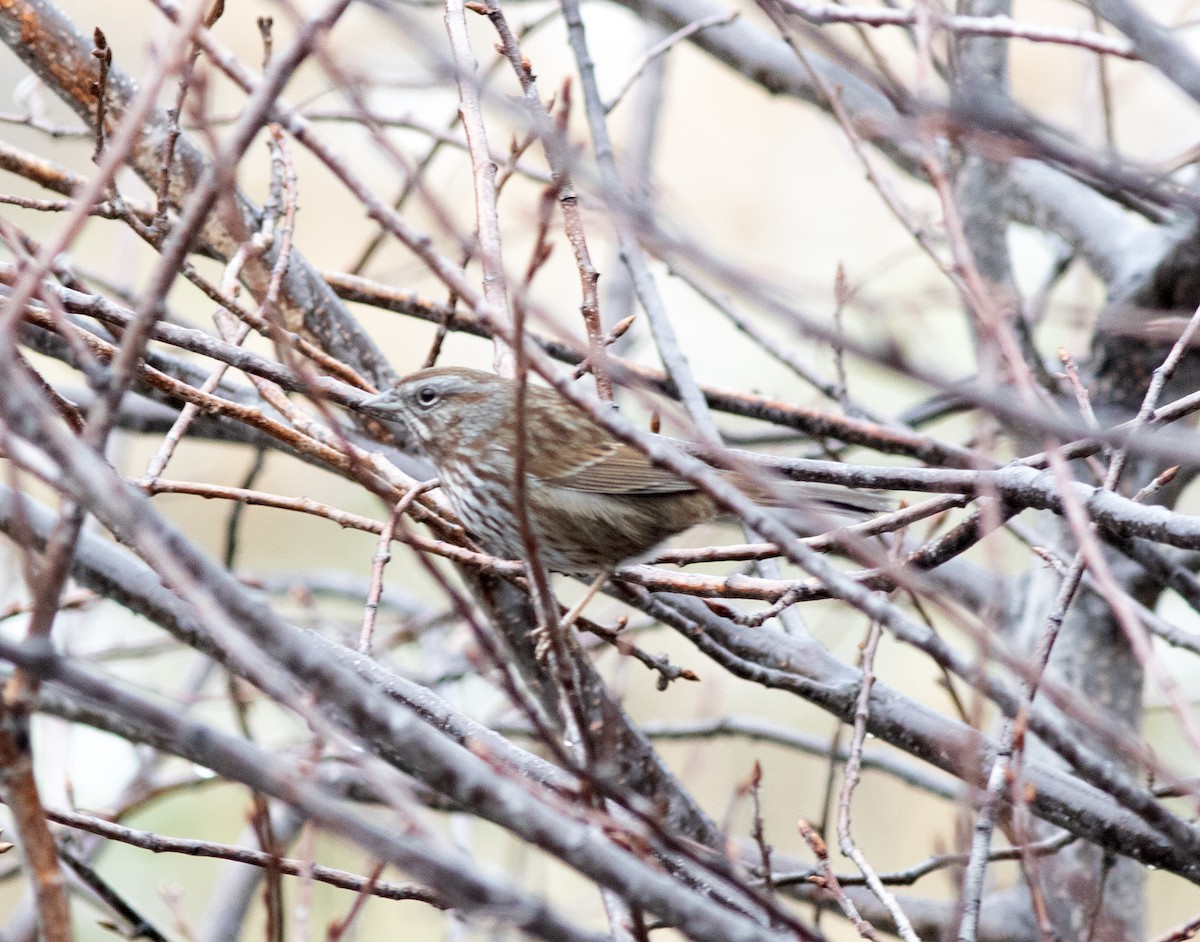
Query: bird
x,y
593,501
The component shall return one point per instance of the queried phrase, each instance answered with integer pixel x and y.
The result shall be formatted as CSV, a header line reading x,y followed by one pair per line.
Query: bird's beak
x,y
382,405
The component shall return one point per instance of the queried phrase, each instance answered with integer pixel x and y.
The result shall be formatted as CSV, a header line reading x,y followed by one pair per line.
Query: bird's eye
x,y
426,396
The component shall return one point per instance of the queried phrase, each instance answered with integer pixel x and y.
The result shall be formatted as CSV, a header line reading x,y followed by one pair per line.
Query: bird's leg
x,y
577,609
542,636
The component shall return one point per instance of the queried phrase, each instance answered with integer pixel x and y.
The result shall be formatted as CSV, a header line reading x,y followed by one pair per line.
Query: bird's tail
x,y
814,496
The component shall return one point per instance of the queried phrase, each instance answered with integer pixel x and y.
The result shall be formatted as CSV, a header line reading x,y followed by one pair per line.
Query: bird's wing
x,y
616,468
580,456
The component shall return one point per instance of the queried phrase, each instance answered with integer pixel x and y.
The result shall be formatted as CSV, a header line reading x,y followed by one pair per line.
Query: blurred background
x,y
768,186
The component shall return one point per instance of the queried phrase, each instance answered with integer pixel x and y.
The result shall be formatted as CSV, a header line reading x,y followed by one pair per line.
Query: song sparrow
x,y
593,501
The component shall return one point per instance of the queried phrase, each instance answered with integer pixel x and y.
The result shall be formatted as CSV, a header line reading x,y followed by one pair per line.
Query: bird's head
x,y
439,408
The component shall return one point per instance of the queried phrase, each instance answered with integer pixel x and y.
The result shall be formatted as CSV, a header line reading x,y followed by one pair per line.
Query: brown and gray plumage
x,y
593,500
